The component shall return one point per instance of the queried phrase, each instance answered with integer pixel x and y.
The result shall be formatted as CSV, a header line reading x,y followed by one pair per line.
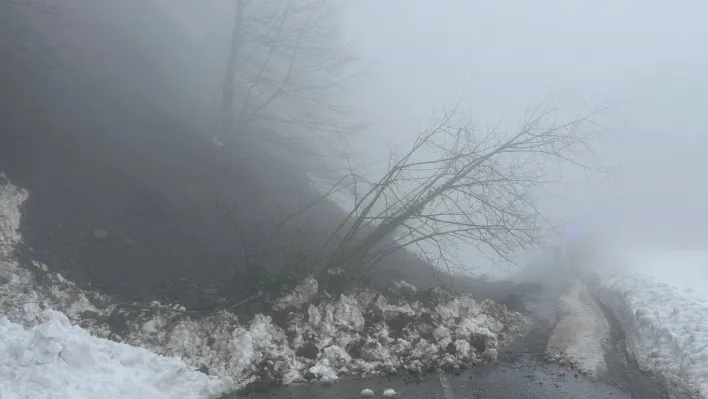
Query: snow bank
x,y
666,327
581,333
58,360
35,339
360,333
22,299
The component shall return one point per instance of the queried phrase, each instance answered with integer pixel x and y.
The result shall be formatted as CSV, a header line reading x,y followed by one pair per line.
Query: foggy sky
x,y
649,57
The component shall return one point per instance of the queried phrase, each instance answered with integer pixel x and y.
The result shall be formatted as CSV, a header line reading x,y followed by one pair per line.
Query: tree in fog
x,y
458,185
285,76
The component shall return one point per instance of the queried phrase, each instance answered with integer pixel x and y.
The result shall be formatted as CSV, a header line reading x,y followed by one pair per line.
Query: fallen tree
x,y
461,186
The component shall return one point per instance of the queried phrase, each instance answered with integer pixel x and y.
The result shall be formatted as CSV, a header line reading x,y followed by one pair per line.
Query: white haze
x,y
646,57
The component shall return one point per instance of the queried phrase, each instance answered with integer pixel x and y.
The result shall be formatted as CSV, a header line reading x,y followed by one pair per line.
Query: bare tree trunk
x,y
227,99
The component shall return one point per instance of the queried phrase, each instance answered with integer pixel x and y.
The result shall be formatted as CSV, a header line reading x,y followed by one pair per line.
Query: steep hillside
x,y
127,195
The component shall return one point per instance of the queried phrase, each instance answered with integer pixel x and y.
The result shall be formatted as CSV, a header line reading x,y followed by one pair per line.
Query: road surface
x,y
521,372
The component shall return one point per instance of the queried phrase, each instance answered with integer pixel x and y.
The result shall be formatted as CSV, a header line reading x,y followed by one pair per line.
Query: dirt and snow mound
x,y
364,333
581,333
360,333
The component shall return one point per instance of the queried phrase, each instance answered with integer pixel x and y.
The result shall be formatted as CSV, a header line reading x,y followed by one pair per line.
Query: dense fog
x,y
393,64
406,198
644,58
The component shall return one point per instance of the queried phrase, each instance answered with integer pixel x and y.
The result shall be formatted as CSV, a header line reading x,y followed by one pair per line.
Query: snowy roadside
x,y
58,360
666,328
360,332
43,355
581,333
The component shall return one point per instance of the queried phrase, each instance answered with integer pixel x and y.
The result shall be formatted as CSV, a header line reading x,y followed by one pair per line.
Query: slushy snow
x,y
661,302
581,333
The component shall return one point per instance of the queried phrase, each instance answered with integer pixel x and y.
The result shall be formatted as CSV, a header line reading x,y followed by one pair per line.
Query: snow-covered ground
x,y
660,299
581,333
56,359
46,353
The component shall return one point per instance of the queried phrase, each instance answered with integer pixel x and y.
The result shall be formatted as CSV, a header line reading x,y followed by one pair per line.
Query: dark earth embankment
x,y
126,190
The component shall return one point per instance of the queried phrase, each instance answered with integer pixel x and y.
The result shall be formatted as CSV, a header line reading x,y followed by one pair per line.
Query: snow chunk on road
x,y
58,360
581,333
666,328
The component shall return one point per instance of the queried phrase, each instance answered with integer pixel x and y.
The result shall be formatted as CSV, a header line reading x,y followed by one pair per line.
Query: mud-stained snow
x,y
581,332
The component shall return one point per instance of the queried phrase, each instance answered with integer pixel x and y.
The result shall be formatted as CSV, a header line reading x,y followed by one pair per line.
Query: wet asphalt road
x,y
520,373
514,381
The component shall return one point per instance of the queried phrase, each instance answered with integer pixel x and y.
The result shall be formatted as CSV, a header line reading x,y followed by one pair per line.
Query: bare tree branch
x,y
286,80
459,186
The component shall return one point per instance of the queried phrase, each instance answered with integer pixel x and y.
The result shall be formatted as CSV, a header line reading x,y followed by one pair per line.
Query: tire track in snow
x,y
447,388
582,333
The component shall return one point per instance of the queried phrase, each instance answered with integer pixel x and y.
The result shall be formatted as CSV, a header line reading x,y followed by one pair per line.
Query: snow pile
x,y
363,333
360,333
26,297
17,301
57,360
666,327
581,333
222,347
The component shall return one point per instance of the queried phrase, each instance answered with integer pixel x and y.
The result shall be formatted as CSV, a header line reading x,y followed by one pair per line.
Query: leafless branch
x,y
286,79
461,186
